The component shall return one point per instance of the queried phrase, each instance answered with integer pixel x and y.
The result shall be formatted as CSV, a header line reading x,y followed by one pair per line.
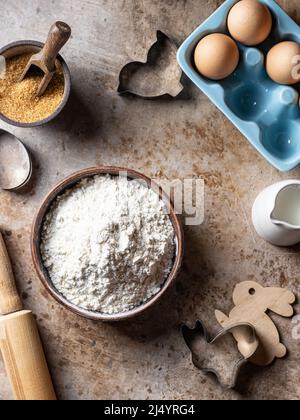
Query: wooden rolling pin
x,y
20,342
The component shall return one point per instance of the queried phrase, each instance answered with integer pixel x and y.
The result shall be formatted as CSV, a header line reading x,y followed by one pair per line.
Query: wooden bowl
x,y
23,47
36,239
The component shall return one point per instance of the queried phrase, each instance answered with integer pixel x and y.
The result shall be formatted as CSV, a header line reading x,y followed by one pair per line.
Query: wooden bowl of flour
x,y
67,184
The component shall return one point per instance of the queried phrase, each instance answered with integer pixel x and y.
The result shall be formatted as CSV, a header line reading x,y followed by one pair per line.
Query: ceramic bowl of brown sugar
x,y
19,106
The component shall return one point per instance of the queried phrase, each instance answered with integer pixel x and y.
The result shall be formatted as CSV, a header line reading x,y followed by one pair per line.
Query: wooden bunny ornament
x,y
252,302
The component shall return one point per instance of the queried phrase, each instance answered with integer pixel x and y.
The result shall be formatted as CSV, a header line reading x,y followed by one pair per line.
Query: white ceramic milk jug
x,y
276,213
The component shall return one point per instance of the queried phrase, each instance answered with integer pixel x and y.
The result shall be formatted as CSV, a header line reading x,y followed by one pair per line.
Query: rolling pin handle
x,y
9,299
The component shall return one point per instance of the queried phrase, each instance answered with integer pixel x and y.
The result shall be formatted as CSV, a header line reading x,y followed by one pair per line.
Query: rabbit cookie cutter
x,y
218,355
252,302
257,337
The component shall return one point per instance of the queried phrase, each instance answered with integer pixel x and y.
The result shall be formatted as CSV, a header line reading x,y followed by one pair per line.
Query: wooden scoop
x,y
45,60
20,342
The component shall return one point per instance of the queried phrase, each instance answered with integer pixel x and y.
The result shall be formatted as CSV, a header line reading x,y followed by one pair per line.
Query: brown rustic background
x,y
182,138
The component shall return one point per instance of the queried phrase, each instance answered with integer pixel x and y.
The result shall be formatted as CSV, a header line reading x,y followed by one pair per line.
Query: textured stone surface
x,y
182,138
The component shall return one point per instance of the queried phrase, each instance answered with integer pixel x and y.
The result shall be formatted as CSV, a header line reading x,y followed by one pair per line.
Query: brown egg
x,y
281,64
216,56
250,22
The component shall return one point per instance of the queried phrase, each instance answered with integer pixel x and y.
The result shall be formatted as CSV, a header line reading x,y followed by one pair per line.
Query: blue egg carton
x,y
268,114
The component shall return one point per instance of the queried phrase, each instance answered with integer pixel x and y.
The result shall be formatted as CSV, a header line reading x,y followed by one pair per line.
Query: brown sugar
x,y
18,100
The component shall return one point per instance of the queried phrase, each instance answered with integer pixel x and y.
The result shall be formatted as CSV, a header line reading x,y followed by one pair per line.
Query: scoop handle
x,y
59,34
9,298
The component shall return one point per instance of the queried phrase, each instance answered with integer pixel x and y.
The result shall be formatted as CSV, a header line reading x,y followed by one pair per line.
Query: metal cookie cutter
x,y
219,355
15,163
159,75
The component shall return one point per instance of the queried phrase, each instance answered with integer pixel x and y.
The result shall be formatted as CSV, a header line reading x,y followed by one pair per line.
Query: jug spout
x,y
284,224
276,213
286,212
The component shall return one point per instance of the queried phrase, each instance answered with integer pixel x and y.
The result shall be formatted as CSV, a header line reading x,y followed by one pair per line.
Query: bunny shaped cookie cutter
x,y
216,354
253,301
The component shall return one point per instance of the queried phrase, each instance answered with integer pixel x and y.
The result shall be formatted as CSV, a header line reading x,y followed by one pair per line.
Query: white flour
x,y
108,244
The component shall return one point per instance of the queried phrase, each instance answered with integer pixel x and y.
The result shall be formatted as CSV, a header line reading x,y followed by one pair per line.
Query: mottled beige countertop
x,y
146,358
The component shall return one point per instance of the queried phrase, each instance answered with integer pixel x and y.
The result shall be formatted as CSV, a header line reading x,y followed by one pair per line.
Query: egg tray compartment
x,y
266,113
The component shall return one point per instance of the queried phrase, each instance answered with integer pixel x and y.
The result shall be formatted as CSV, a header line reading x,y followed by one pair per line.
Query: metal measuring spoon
x,y
15,162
